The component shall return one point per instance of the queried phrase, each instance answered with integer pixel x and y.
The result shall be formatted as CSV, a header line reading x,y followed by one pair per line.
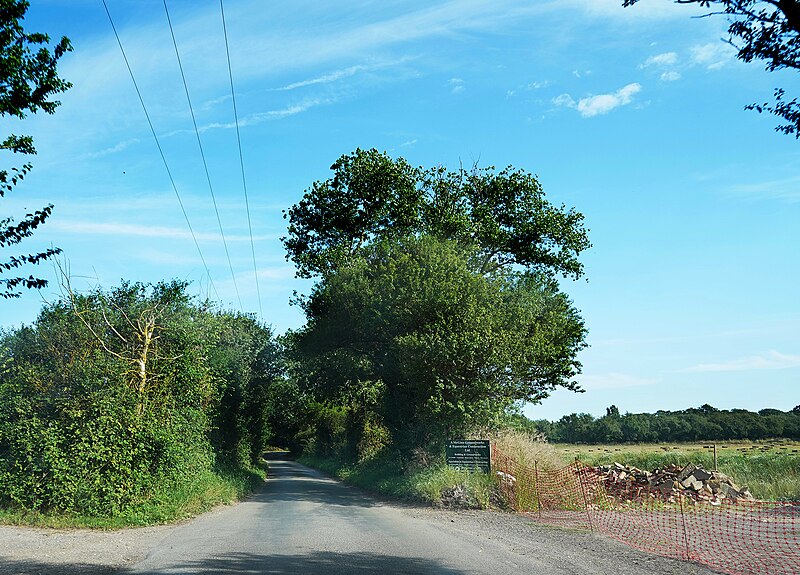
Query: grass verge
x,y
206,491
435,484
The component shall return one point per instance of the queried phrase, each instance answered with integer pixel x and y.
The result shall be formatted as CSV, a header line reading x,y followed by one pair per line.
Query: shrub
x,y
112,398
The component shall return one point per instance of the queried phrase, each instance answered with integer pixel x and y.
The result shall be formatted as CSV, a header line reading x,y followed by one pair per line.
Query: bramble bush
x,y
112,398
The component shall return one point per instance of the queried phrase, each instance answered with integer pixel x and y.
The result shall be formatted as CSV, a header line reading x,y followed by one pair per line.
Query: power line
x,y
241,159
203,156
160,150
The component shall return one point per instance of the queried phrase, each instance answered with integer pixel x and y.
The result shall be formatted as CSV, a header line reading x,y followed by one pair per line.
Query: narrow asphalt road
x,y
303,522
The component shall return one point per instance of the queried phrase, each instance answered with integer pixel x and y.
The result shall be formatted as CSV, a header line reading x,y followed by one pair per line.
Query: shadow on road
x,y
10,566
314,562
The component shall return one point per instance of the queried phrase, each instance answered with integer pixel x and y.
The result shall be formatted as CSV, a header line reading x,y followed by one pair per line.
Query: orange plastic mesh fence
x,y
738,537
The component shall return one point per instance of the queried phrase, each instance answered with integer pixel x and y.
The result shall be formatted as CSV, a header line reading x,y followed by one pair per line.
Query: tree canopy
x,y
410,331
437,307
371,196
28,82
766,30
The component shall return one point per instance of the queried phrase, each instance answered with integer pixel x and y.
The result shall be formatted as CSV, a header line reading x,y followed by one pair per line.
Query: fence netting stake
x,y
538,491
683,525
579,469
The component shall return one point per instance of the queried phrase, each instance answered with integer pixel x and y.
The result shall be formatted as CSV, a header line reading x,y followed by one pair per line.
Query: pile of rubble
x,y
692,481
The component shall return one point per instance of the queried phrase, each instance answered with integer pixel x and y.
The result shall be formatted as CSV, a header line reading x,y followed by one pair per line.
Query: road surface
x,y
305,523
302,522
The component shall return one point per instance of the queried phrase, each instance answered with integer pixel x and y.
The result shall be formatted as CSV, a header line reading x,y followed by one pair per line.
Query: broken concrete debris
x,y
628,482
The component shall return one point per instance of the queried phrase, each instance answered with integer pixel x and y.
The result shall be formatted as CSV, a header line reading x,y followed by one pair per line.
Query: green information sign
x,y
472,454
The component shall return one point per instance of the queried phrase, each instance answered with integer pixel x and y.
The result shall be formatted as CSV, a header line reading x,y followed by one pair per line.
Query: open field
x,y
780,446
771,469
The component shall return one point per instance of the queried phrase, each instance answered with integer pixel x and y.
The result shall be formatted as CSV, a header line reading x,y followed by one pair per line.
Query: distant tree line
x,y
705,423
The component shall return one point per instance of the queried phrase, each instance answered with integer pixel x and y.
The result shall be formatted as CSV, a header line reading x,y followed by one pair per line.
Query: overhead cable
x,y
203,156
241,159
160,150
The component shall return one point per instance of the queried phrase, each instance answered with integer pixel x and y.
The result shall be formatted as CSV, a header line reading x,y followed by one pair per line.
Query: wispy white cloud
x,y
787,189
614,380
604,103
713,56
325,78
666,63
770,360
538,85
612,9
343,73
600,104
265,45
456,85
114,149
120,229
214,102
565,101
660,60
285,112
259,117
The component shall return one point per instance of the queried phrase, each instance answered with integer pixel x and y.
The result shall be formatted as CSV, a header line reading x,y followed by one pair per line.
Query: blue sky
x,y
633,116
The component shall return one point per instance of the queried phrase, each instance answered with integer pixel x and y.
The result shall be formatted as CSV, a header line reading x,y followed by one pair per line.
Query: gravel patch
x,y
69,552
572,549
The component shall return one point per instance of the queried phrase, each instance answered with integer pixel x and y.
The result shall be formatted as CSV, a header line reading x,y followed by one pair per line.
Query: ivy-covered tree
x,y
28,82
765,30
410,331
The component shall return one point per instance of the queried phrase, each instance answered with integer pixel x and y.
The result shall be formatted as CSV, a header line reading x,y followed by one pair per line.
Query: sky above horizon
x,y
632,116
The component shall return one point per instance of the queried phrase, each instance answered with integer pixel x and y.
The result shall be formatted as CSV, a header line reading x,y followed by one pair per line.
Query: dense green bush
x,y
111,398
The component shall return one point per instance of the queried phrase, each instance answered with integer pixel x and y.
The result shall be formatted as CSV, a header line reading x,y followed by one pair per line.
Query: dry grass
x,y
525,448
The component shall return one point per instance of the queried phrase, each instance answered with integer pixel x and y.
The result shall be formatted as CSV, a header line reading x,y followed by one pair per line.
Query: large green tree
x,y
412,330
504,215
437,305
28,82
765,30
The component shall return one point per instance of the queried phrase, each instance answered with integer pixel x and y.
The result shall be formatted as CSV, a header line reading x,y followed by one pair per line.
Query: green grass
x,y
772,474
206,491
385,476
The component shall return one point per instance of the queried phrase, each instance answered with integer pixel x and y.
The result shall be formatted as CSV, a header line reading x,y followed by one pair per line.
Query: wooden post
x,y
715,457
